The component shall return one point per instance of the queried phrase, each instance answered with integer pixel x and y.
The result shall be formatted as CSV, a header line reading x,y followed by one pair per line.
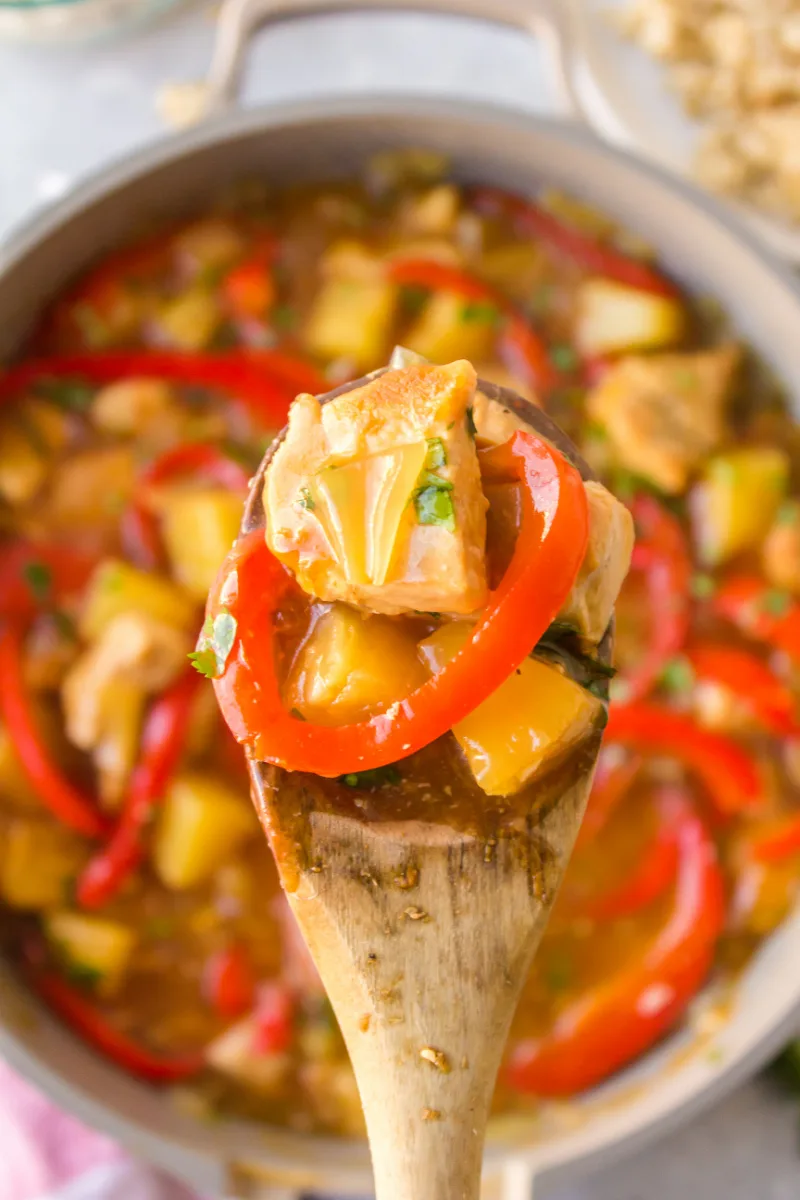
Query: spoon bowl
x,y
423,932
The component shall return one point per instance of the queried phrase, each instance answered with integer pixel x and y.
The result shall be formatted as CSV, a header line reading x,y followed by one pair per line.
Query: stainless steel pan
x,y
328,138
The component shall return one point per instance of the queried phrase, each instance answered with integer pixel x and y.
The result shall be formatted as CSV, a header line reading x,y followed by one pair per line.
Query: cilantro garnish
x,y
437,455
39,579
434,504
74,395
378,777
214,645
306,500
481,310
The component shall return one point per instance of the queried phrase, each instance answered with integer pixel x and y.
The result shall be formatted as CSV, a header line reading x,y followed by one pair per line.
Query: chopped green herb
x,y
80,973
283,317
541,298
73,395
214,645
702,585
595,431
563,357
483,311
92,328
788,513
295,712
412,299
677,675
775,602
472,428
378,777
434,505
437,455
39,579
210,275
306,500
431,479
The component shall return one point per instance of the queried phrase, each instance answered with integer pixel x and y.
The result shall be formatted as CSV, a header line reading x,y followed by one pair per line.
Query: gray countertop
x,y
65,112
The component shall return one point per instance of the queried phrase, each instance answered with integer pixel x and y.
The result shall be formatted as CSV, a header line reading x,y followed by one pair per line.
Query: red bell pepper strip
x,y
525,352
760,612
585,251
727,772
252,584
619,1019
162,744
68,570
63,799
229,982
778,840
768,699
610,785
91,1024
140,525
248,289
662,555
250,378
275,1015
650,879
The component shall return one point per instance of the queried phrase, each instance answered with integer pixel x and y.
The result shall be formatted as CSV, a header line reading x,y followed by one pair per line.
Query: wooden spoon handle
x,y
423,943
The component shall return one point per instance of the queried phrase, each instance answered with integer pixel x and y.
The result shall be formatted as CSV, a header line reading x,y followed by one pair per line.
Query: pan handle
x,y
548,21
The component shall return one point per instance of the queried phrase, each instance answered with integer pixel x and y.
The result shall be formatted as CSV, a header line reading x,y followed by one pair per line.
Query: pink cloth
x,y
45,1154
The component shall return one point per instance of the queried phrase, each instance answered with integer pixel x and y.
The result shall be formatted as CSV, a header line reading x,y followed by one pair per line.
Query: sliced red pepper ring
x,y
650,879
760,612
79,1012
662,555
750,680
622,1017
525,352
229,982
726,771
140,524
252,585
161,746
275,1015
597,257
260,380
63,799
248,289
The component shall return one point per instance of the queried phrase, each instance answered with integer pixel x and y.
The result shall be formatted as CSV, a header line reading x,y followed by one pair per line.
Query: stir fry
x,y
139,898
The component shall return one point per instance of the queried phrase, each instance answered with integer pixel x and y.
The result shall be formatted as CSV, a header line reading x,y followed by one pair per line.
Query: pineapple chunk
x,y
190,321
735,503
39,861
89,490
129,405
203,822
33,431
590,604
116,587
351,663
210,244
199,527
352,319
375,498
451,327
664,413
96,949
612,318
536,716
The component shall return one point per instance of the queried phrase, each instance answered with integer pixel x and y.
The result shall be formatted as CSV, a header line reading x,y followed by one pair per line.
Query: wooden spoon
x,y
423,935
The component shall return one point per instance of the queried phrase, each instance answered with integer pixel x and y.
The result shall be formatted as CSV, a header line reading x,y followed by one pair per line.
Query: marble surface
x,y
65,112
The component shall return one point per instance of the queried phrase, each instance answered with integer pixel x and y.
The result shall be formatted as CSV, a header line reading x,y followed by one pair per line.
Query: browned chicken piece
x,y
104,692
781,552
665,412
375,498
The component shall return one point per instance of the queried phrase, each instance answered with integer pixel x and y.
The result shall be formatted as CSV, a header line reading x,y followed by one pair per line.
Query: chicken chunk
x,y
235,1054
664,413
781,552
104,692
375,498
591,602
